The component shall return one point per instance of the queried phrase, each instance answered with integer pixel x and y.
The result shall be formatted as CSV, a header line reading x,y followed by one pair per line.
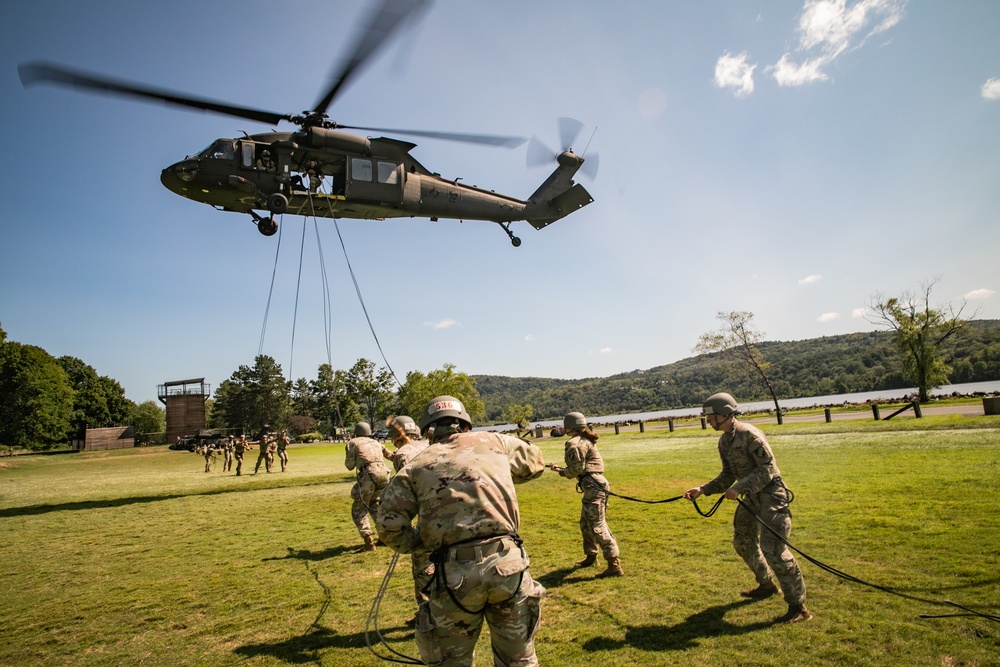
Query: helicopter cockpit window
x,y
361,169
223,149
387,173
247,153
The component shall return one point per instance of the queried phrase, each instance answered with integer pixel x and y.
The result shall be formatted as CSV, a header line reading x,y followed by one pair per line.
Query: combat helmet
x,y
400,425
362,429
441,407
720,404
574,420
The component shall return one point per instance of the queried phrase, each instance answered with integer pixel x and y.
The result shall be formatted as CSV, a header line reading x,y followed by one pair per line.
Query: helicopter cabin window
x,y
387,173
246,154
361,169
223,149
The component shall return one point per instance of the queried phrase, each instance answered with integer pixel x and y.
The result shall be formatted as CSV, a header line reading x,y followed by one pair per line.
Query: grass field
x,y
138,557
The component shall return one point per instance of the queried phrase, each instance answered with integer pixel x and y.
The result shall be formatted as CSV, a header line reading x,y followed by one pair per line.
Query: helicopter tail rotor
x,y
539,153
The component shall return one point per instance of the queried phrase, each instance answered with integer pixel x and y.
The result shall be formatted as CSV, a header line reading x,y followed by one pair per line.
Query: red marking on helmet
x,y
447,405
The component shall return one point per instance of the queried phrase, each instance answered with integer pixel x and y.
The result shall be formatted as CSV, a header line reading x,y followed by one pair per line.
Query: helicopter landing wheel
x,y
514,241
277,203
267,226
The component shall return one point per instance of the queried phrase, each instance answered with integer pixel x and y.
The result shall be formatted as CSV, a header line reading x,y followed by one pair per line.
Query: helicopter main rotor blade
x,y
487,139
380,25
41,72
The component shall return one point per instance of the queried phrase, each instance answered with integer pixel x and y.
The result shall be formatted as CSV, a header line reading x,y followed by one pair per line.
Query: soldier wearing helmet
x,y
364,454
749,469
461,492
406,439
585,465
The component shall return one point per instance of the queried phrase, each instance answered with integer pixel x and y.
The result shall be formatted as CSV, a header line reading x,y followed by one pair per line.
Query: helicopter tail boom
x,y
558,196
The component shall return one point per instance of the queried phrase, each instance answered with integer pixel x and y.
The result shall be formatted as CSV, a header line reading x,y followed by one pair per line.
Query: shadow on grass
x,y
307,648
557,578
682,636
35,510
306,554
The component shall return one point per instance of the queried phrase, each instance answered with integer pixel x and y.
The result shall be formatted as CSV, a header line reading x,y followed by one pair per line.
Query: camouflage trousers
x,y
267,458
761,550
423,571
365,494
239,463
594,522
227,461
494,589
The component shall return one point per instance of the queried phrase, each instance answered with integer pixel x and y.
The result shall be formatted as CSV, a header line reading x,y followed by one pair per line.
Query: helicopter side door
x,y
372,179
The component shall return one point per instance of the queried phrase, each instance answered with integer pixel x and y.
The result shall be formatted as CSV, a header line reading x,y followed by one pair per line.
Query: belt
x,y
468,552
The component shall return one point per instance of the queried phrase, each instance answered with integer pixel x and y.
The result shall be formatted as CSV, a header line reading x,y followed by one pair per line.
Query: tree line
x,y
45,401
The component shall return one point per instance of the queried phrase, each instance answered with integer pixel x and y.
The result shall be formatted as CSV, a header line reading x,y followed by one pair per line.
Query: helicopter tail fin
x,y
558,196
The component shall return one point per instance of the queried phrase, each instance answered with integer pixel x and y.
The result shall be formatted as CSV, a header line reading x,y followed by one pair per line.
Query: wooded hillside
x,y
815,367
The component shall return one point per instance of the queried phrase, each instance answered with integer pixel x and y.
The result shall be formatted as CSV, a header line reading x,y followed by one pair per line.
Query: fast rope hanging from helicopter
x,y
966,611
373,615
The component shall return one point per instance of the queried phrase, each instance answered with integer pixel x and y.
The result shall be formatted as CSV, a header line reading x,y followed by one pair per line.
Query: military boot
x,y
795,614
369,543
762,592
586,562
614,569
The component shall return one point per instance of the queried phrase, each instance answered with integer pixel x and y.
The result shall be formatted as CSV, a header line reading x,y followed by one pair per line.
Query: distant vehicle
x,y
189,443
184,445
380,434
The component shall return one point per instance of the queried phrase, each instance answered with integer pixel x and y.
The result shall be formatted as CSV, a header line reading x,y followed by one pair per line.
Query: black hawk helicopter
x,y
363,177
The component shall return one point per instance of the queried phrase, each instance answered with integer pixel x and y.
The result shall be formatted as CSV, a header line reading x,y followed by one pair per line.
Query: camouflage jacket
x,y
747,460
404,454
581,456
362,452
459,489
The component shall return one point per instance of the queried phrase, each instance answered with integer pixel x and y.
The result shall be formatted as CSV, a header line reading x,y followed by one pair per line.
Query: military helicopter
x,y
319,170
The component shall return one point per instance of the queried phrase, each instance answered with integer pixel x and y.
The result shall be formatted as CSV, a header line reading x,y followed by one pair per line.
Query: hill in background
x,y
816,367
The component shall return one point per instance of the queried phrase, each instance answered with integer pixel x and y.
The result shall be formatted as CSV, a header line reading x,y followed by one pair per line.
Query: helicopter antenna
x,y
585,148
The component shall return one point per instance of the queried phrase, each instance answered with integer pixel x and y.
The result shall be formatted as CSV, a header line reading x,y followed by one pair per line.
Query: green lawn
x,y
138,557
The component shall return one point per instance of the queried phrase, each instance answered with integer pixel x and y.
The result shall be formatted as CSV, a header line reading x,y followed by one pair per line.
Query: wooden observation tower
x,y
185,404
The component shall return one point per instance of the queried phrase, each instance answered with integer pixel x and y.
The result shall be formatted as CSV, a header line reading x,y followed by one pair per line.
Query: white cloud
x,y
606,350
529,339
652,103
809,280
735,72
828,317
827,29
446,323
858,313
991,89
983,293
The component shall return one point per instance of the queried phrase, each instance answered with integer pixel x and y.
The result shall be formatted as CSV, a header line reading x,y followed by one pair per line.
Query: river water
x,y
806,402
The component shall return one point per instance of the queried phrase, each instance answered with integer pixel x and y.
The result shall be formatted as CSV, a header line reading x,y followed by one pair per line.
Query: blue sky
x,y
788,158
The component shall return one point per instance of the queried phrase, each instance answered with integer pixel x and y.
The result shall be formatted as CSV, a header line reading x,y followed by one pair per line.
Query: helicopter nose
x,y
186,170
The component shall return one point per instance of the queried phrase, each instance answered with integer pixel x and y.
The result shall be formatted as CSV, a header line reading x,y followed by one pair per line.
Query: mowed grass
x,y
138,557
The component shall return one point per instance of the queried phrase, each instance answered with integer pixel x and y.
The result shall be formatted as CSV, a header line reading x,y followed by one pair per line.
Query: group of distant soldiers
x,y
233,448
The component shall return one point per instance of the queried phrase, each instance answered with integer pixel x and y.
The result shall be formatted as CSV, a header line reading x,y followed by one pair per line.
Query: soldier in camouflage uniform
x,y
749,469
461,491
282,445
209,454
365,454
227,454
265,454
407,442
239,447
585,465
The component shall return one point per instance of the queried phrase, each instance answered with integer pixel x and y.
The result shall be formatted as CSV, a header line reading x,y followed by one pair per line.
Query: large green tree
x,y
372,390
737,342
98,400
920,332
36,399
254,398
419,389
149,420
334,407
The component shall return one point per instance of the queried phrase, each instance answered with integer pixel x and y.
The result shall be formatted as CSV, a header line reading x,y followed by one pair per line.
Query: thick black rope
x,y
848,577
587,480
372,622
